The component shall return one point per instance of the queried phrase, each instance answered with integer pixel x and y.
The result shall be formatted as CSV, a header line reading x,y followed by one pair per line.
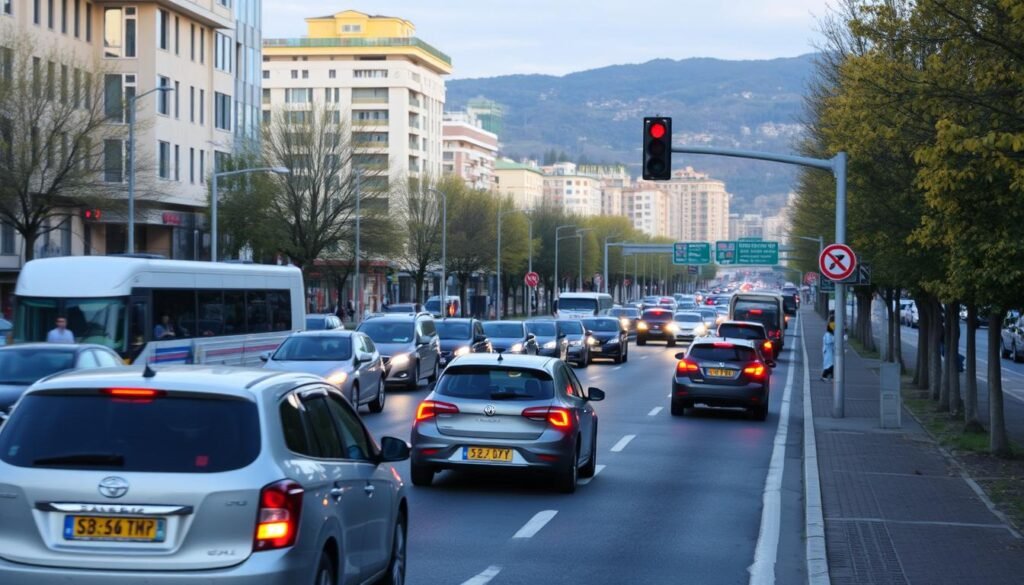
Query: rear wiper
x,y
98,459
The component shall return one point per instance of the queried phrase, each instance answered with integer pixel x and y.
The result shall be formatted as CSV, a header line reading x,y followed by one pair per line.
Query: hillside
x,y
597,115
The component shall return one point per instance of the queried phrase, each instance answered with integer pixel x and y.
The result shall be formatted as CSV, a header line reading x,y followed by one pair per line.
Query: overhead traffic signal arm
x,y
657,149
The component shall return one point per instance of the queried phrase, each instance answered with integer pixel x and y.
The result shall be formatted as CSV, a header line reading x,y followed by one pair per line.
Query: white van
x,y
582,304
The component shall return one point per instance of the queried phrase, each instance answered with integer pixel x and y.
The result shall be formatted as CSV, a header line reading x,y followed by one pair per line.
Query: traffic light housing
x,y
657,149
92,214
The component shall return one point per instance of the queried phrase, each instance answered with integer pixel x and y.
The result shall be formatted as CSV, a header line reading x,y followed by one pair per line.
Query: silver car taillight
x,y
277,522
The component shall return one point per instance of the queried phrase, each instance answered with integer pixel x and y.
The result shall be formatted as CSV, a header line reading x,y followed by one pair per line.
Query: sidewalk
x,y
896,510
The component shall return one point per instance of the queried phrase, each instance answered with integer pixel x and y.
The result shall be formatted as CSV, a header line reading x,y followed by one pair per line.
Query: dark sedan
x,y
628,316
511,337
608,339
717,372
656,324
576,334
549,340
460,337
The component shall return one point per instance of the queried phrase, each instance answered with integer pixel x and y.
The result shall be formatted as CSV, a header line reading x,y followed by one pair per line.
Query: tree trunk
x,y
971,422
464,306
934,341
953,357
897,336
921,377
867,337
947,336
997,440
30,235
418,278
890,329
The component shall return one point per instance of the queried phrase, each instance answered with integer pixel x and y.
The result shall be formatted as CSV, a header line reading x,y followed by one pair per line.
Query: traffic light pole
x,y
837,165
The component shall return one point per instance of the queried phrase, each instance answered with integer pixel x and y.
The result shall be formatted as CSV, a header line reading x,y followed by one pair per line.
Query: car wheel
x,y
378,403
421,475
396,568
590,468
325,572
641,341
671,342
759,413
567,479
678,408
1014,355
414,380
353,397
1003,352
625,353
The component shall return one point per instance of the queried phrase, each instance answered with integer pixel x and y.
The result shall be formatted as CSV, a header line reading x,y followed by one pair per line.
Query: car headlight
x,y
399,360
516,348
624,322
338,378
641,326
461,351
551,345
576,343
613,341
592,341
700,329
672,327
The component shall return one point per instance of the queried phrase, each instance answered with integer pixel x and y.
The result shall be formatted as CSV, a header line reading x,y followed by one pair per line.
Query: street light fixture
x,y
131,162
558,278
579,234
213,204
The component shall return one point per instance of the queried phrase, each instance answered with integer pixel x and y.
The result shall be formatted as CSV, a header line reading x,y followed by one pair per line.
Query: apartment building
x,y
523,182
469,151
386,83
575,193
747,225
647,209
698,206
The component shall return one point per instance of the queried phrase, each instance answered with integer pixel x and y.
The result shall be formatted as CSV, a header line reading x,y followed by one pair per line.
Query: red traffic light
x,y
657,130
93,214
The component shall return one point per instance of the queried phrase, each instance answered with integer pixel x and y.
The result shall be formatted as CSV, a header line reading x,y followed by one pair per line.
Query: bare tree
x,y
53,126
421,221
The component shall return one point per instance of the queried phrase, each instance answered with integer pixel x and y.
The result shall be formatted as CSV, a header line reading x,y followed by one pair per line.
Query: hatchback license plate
x,y
115,528
720,373
487,454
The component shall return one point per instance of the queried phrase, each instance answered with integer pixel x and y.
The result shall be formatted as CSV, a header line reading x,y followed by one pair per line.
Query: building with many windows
x,y
386,83
698,206
575,193
469,151
523,182
647,209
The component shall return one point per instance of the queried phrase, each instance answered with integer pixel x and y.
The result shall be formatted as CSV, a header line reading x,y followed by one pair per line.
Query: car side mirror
x,y
595,394
362,358
531,337
681,355
422,342
393,450
589,332
265,357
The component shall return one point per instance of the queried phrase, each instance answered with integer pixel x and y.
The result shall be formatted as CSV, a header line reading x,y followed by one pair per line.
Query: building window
x,y
295,73
35,11
202,44
119,31
370,73
177,35
202,107
222,52
7,239
191,165
177,162
164,159
88,22
163,101
297,95
49,13
332,73
163,29
177,100
113,161
363,95
305,73
266,74
192,104
192,43
64,16
266,96
78,16
222,111
351,28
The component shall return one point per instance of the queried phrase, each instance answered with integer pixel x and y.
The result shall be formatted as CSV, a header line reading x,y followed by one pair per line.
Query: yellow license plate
x,y
115,528
488,454
720,373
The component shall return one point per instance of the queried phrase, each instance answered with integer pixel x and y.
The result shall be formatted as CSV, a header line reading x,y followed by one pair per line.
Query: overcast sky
x,y
491,37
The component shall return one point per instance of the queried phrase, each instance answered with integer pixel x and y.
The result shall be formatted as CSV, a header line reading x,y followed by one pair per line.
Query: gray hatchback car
x,y
507,411
196,474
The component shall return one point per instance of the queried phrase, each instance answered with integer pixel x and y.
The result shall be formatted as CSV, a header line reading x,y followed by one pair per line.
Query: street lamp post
x,y
558,279
579,234
821,247
356,283
444,247
213,203
131,162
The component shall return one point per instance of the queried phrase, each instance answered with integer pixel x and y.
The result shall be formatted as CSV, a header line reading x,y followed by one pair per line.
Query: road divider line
x,y
643,357
657,409
485,577
814,522
617,368
766,553
597,470
622,443
535,524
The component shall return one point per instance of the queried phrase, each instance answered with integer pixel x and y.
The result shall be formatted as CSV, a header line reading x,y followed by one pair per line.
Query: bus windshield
x,y
100,321
570,304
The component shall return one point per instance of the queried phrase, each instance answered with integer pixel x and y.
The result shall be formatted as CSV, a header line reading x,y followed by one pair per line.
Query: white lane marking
x,y
485,577
597,470
814,523
535,524
656,409
643,357
617,368
622,443
762,571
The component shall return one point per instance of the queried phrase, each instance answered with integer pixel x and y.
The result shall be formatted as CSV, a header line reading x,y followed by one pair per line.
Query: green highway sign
x,y
691,253
747,252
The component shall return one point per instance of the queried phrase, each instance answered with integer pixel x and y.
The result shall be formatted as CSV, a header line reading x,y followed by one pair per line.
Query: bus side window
x,y
180,306
257,313
280,305
234,312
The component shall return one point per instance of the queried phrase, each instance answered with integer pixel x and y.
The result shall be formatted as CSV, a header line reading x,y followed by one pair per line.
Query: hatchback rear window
x,y
499,330
542,328
89,430
740,332
657,315
487,383
722,353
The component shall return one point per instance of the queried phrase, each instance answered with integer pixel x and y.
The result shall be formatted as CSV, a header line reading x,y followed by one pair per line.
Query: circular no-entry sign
x,y
837,262
532,279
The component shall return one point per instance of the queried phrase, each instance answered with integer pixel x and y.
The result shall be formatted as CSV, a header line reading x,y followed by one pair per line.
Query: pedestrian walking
x,y
828,353
351,310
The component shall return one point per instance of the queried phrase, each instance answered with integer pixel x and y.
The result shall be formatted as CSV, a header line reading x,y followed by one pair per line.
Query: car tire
x,y
378,402
421,475
395,574
759,413
1003,352
641,341
678,408
625,353
326,574
671,343
590,468
414,382
567,479
354,396
1015,355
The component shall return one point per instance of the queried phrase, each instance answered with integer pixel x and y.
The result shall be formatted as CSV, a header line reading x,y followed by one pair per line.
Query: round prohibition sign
x,y
837,262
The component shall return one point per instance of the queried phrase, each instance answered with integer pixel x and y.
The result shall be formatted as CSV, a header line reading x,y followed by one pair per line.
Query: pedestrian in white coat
x,y
828,353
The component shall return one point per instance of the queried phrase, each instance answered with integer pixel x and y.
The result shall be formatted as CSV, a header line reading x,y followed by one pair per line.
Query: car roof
x,y
325,333
457,320
397,316
57,346
502,360
503,322
223,380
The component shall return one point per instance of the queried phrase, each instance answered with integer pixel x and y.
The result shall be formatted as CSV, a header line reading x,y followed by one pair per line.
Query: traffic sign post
x,y
691,253
747,252
811,278
837,262
532,279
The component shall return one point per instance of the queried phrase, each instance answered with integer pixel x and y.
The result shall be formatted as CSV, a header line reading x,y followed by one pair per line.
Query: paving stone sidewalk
x,y
896,510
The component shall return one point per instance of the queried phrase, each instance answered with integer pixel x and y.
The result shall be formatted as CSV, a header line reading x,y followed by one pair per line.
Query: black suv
x,y
720,372
461,336
656,324
409,345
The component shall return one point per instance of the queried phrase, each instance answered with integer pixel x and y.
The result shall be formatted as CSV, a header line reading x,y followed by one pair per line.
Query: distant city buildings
x,y
575,193
469,151
698,206
523,182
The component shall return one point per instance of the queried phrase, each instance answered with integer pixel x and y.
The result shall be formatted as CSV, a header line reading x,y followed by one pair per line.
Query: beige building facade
x,y
468,151
698,206
524,183
574,193
648,210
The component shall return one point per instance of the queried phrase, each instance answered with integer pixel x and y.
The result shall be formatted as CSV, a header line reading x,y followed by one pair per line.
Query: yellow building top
x,y
357,33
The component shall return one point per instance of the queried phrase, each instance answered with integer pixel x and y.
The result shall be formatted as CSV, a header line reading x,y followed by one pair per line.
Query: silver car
x,y
689,325
507,411
195,474
347,359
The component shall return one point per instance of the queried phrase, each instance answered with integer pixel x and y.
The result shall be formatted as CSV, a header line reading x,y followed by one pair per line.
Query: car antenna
x,y
148,372
500,359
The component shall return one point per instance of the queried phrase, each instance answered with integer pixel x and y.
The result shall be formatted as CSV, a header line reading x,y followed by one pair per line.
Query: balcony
x,y
370,100
411,42
363,123
415,103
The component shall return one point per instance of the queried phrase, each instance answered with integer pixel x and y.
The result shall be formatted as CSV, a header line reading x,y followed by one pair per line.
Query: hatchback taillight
x,y
755,370
277,522
686,367
431,408
556,416
767,346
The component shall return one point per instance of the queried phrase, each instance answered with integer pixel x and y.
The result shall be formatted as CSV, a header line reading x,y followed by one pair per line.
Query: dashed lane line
x,y
622,443
656,409
597,470
539,520
485,577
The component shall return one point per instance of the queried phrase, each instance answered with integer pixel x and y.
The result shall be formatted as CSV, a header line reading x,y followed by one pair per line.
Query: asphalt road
x,y
675,500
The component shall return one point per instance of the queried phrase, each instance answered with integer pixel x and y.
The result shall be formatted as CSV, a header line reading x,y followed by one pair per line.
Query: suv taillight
x,y
556,416
277,522
431,408
686,367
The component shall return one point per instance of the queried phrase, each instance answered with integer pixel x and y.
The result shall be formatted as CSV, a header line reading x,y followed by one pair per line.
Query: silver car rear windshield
x,y
541,328
494,383
23,366
93,430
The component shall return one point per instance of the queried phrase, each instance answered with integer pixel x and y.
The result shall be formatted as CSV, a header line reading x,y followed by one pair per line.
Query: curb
x,y
814,521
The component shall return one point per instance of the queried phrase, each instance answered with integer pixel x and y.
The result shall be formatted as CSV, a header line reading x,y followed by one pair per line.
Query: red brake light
x,y
756,370
431,408
686,366
133,392
723,344
277,522
555,416
755,311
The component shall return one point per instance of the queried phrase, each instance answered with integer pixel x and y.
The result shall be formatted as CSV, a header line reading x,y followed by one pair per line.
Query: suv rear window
x,y
657,315
740,331
722,353
175,434
488,383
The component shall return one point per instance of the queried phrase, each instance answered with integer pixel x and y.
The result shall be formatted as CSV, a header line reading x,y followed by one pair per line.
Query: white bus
x,y
162,311
582,304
